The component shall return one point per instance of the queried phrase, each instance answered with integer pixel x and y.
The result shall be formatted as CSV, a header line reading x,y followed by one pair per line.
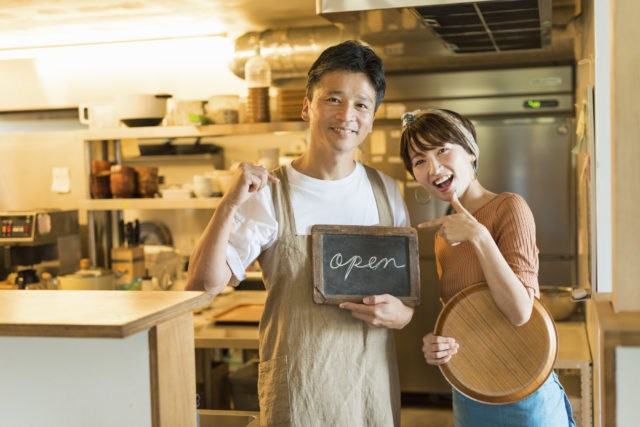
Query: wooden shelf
x,y
148,204
152,132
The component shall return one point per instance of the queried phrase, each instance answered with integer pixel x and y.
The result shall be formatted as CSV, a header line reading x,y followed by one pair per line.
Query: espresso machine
x,y
32,242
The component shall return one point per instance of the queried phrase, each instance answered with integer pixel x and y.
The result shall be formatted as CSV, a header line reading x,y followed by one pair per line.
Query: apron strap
x,y
282,203
385,215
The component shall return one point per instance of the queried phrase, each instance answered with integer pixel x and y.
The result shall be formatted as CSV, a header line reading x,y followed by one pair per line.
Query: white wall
x,y
26,165
66,77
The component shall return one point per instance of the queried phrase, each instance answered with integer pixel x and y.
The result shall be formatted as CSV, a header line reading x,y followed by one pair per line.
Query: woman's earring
x,y
424,198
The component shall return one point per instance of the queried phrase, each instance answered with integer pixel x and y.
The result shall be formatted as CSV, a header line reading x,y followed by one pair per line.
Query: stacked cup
x,y
100,179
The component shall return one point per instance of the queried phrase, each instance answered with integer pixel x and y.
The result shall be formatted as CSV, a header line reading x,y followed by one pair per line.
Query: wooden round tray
x,y
496,363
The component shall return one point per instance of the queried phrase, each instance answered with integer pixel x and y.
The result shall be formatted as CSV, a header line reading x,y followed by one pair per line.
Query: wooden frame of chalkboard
x,y
351,262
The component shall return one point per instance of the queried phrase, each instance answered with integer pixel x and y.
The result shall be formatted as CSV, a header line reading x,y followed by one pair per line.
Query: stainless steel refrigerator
x,y
525,131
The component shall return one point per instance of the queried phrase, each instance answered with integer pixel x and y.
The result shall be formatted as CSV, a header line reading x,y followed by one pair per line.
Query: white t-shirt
x,y
346,201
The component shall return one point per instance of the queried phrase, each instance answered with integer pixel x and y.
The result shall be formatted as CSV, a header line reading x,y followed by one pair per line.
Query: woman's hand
x,y
381,311
457,228
247,180
438,350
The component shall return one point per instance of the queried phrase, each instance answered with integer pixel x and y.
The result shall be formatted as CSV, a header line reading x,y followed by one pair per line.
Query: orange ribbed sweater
x,y
510,222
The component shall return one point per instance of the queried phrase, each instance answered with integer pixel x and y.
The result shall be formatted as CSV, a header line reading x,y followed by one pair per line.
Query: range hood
x,y
481,26
420,36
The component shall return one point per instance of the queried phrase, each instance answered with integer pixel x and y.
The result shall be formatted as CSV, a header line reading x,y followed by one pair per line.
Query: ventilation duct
x,y
290,51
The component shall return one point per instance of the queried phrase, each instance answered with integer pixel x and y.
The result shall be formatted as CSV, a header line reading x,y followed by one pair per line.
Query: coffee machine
x,y
39,240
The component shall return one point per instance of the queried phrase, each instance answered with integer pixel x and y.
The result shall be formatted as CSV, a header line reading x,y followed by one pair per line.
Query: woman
x,y
490,238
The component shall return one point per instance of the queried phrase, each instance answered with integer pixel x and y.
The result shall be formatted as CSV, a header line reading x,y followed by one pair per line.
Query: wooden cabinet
x,y
99,358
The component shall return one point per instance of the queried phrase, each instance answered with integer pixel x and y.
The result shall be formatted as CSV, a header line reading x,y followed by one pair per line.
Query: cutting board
x,y
240,313
497,363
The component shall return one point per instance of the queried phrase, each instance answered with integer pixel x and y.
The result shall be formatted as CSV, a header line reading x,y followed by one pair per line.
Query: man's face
x,y
341,111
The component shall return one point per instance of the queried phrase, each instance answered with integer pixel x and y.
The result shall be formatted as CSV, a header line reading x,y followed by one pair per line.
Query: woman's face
x,y
443,170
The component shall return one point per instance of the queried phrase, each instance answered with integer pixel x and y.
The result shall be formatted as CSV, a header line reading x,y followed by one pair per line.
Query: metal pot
x,y
141,110
558,300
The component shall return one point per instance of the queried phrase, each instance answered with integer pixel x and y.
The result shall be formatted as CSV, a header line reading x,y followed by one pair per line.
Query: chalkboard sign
x,y
351,262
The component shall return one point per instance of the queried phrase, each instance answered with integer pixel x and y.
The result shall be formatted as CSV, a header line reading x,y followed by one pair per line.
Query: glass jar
x,y
223,109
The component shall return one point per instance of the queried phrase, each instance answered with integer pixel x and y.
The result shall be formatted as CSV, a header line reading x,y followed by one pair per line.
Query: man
x,y
320,365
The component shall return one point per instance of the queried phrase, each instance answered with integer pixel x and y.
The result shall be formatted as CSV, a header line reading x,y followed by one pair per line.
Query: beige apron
x,y
319,366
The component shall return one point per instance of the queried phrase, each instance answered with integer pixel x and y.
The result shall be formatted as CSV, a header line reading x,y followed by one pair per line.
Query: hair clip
x,y
408,118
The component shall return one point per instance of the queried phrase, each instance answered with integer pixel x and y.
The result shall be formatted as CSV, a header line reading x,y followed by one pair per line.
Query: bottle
x,y
257,74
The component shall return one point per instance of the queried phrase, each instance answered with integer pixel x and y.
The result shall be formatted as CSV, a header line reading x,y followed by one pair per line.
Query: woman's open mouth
x,y
443,183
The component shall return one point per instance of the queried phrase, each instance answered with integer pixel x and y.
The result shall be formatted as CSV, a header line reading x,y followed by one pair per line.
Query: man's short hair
x,y
350,56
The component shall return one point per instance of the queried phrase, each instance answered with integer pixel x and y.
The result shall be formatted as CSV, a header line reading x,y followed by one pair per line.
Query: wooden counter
x,y
573,349
100,358
209,334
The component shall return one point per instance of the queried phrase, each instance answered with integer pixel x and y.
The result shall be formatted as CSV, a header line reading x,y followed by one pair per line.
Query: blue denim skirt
x,y
546,407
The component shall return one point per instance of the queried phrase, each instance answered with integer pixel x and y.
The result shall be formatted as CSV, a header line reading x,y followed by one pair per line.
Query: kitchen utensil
x,y
216,191
258,105
223,109
136,232
26,277
100,179
100,166
289,104
132,233
164,263
147,180
122,181
129,233
141,110
121,236
101,185
182,112
497,363
558,301
176,193
202,185
87,279
154,233
97,116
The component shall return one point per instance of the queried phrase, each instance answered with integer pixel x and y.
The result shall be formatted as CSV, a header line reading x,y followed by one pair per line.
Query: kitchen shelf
x,y
153,132
113,139
153,204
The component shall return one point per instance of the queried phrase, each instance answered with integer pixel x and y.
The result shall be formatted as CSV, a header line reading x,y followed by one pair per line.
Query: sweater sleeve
x,y
515,235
